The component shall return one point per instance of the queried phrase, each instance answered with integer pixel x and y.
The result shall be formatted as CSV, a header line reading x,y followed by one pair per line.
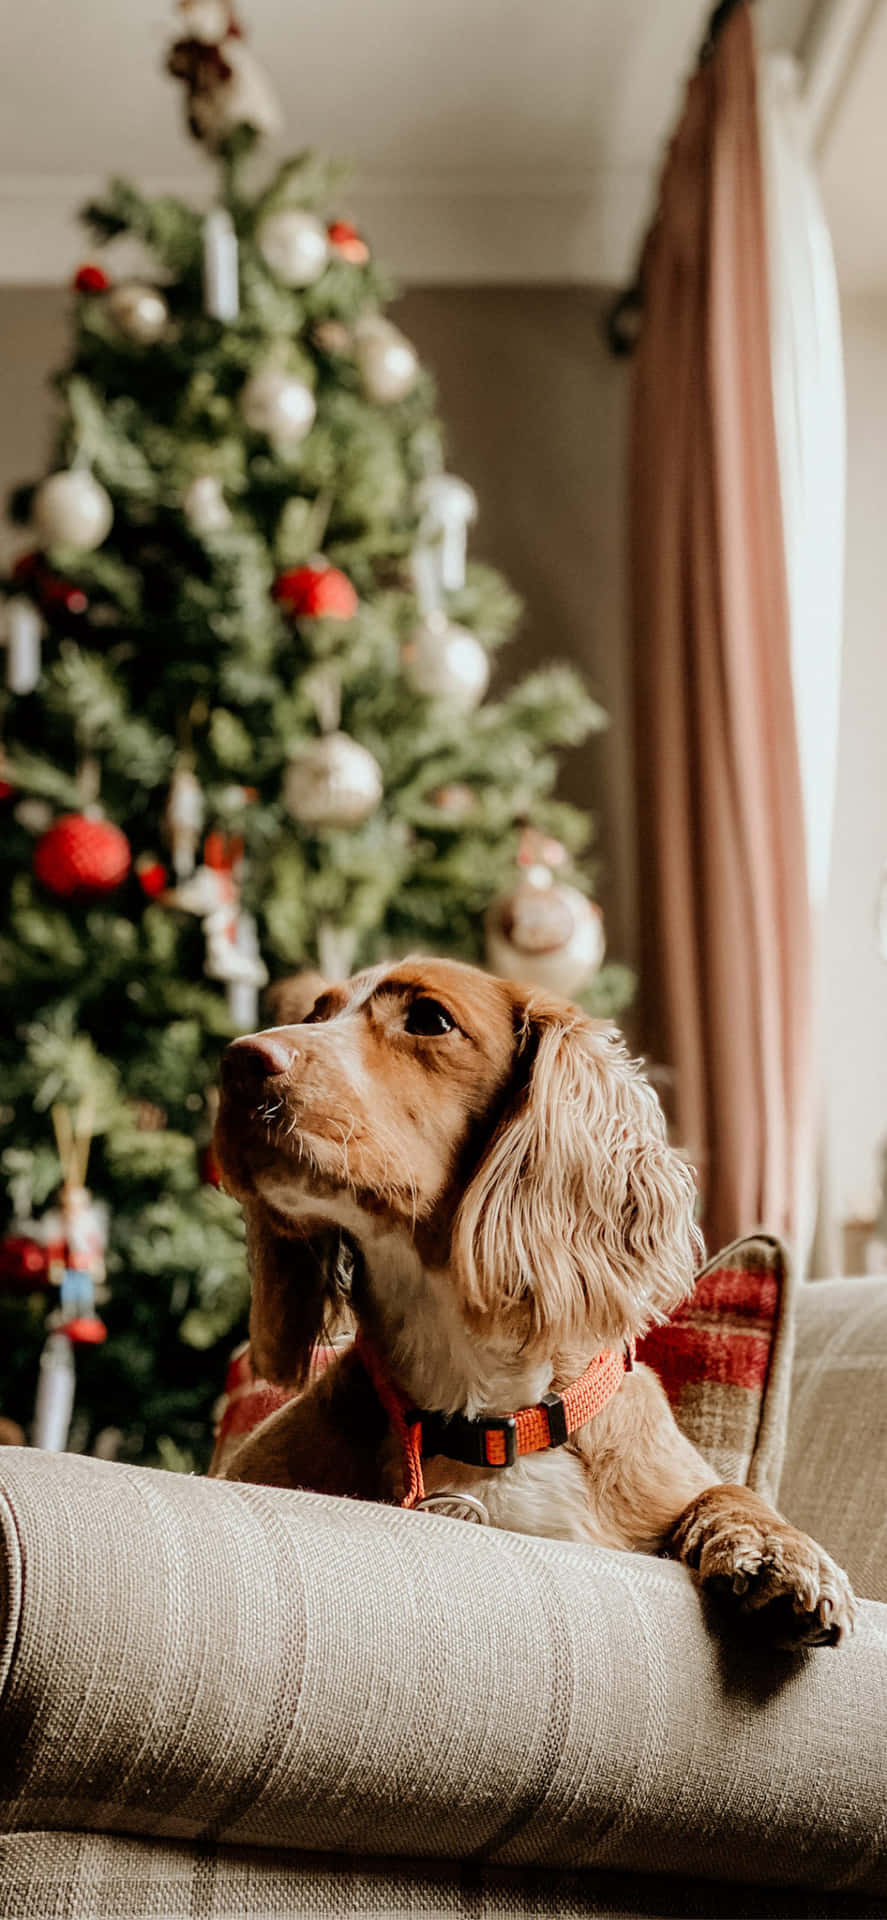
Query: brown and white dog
x,y
499,1168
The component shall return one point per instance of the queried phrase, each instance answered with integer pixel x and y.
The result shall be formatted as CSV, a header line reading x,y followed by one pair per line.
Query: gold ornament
x,y
332,782
140,311
545,934
72,509
446,662
294,245
204,505
388,365
278,404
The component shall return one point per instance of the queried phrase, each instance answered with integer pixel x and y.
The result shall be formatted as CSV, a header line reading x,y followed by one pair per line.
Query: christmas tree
x,y
246,733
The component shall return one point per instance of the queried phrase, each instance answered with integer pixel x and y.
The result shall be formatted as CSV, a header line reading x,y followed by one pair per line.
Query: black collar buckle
x,y
459,1438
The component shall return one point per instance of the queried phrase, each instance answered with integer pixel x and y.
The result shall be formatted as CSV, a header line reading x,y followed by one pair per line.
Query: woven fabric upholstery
x,y
98,1876
725,1360
195,1660
833,1481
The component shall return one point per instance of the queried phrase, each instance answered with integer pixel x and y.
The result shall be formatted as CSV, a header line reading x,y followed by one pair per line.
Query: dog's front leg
x,y
744,1550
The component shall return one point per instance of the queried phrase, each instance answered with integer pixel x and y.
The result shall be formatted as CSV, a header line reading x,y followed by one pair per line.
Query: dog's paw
x,y
793,1589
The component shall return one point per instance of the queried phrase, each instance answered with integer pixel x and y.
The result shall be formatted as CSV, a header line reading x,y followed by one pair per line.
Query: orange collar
x,y
498,1439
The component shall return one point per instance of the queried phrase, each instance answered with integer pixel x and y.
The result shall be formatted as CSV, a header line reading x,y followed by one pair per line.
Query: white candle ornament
x,y
183,820
447,507
221,286
24,631
55,1395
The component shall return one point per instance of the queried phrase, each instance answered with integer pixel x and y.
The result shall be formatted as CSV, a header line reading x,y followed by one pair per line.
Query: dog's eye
x,y
429,1018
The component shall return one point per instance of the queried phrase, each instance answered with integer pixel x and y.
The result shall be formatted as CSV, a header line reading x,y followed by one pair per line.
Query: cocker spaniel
x,y
497,1167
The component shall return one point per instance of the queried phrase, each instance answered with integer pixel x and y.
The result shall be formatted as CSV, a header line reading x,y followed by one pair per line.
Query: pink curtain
x,y
726,955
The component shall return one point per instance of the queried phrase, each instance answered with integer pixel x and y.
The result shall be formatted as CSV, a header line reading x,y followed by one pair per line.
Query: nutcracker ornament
x,y
544,933
75,1238
212,892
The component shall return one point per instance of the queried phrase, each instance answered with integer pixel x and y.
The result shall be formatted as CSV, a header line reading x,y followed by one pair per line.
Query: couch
x,y
228,1702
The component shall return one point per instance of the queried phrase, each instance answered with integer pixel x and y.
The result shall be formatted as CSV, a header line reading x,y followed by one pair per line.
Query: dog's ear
x,y
580,1211
286,1003
297,1294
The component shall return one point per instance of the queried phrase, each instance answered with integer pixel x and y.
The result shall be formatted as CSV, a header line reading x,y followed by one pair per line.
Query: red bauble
x,y
210,1171
79,857
61,596
91,279
348,243
151,874
87,1331
24,1264
315,592
50,590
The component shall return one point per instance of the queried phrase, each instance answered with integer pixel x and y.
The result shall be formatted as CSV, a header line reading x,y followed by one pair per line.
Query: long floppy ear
x,y
297,1294
580,1208
286,1003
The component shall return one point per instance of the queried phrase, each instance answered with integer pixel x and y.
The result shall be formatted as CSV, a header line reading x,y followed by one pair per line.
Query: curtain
x,y
808,405
725,924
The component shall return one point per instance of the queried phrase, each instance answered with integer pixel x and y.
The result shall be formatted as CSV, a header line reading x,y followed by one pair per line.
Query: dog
x,y
497,1167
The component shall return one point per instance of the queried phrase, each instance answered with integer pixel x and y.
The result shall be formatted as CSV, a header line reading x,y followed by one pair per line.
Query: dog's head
x,y
507,1134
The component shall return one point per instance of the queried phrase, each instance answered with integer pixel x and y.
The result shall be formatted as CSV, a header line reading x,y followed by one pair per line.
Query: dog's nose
x,y
257,1057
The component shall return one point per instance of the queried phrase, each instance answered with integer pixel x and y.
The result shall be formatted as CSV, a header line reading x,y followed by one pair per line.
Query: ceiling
x,y
493,140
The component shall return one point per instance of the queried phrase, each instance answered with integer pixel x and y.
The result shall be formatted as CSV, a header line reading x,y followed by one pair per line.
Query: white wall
x,y
855,975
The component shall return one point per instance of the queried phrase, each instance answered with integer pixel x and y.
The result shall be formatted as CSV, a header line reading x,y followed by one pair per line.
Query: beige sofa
x,y
225,1701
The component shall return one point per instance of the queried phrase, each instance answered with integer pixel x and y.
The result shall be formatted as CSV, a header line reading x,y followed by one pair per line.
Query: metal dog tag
x,y
455,1506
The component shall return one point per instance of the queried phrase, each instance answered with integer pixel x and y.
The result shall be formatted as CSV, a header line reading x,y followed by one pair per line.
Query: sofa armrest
x,y
835,1466
199,1660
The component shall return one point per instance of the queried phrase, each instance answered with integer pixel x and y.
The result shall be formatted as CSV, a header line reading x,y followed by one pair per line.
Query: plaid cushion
x,y
724,1359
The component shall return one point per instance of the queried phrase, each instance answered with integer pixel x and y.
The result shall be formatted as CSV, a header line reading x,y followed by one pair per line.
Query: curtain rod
x,y
624,317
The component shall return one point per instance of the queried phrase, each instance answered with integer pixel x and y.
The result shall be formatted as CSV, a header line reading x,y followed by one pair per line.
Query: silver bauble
x,y
140,311
72,509
294,245
332,782
446,662
204,505
544,934
278,404
388,365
